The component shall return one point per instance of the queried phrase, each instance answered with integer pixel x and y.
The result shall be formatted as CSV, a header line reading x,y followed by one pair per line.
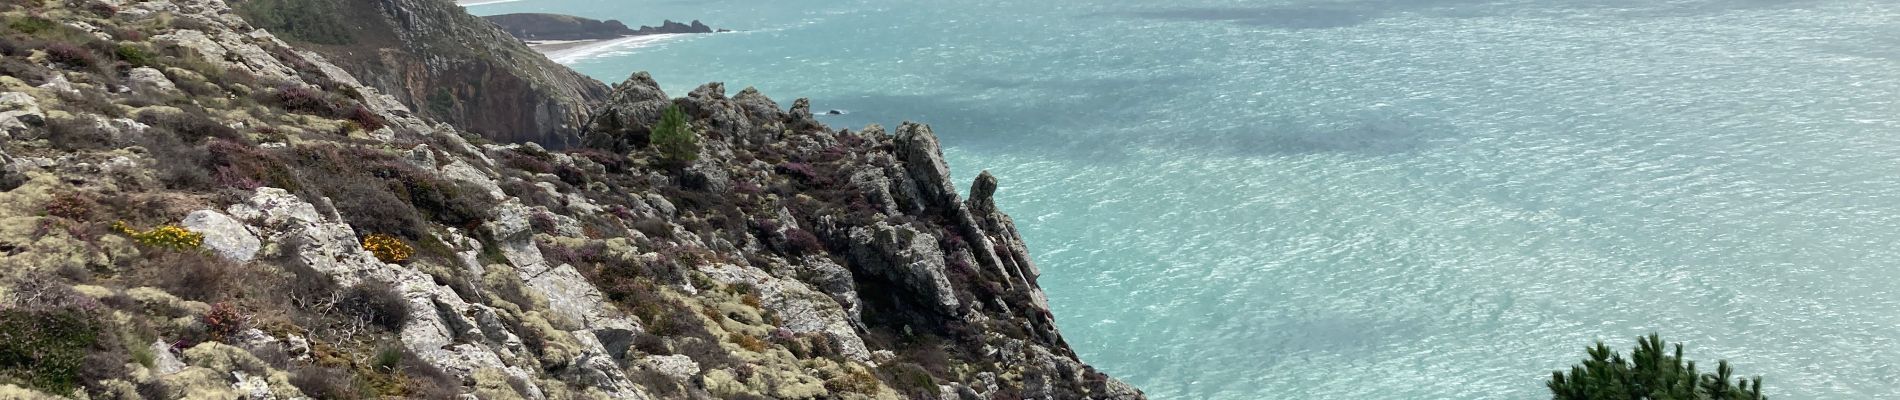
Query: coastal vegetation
x,y
674,139
1653,371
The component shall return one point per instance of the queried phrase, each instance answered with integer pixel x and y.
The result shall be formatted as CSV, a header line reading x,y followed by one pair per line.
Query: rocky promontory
x,y
193,208
540,26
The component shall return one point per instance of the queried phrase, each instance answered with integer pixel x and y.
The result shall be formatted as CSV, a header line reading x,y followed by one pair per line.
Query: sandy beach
x,y
565,51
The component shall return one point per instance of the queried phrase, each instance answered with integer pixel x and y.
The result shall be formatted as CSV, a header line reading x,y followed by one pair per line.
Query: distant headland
x,y
553,27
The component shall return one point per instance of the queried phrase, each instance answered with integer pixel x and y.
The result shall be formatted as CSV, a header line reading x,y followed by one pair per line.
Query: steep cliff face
x,y
443,63
192,208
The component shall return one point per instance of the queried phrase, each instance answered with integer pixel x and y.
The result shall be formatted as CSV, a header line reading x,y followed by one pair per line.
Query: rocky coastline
x,y
195,205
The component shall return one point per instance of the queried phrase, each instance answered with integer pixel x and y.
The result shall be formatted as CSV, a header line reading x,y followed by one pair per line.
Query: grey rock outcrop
x,y
224,235
624,121
904,255
18,113
10,175
922,156
150,80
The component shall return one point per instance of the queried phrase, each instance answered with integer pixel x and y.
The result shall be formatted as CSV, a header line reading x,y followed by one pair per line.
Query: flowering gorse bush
x,y
169,236
388,248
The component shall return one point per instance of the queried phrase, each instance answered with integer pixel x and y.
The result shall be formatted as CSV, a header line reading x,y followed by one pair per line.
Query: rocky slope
x,y
441,62
193,208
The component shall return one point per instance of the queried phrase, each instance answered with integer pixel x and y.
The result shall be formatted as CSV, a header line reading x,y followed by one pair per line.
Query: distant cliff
x,y
192,208
536,26
441,62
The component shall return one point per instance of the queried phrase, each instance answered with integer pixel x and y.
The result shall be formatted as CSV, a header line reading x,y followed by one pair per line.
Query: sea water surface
x,y
1385,199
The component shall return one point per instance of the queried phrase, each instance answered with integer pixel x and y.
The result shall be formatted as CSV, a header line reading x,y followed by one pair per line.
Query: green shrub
x,y
30,24
45,349
315,21
674,138
134,54
1651,372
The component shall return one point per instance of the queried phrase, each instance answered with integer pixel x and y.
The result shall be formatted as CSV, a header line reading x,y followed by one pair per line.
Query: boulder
x,y
10,175
224,235
19,112
150,81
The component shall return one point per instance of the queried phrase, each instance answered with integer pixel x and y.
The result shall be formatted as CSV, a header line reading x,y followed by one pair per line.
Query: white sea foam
x,y
605,48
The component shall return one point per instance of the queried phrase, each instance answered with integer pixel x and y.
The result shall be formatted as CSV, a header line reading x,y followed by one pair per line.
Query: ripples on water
x,y
1395,199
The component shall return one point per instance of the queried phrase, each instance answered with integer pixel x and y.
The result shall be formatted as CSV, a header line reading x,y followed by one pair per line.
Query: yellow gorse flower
x,y
388,248
167,236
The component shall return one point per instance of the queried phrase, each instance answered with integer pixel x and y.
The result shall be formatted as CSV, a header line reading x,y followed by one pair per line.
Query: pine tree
x,y
1651,373
674,138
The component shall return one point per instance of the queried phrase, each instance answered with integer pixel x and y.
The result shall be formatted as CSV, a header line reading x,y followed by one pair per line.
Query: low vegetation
x,y
673,137
1652,371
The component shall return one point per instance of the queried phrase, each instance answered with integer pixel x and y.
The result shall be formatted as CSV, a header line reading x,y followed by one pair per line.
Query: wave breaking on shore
x,y
570,51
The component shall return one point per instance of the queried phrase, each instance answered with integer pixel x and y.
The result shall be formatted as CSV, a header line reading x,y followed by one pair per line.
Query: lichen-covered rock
x,y
676,366
163,362
151,81
802,309
18,113
324,242
228,237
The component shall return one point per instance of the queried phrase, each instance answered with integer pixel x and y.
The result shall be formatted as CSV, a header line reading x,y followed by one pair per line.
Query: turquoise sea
x,y
1385,199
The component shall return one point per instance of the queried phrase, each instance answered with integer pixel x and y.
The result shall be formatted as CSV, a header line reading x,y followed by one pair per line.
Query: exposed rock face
x,y
789,261
624,122
451,66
